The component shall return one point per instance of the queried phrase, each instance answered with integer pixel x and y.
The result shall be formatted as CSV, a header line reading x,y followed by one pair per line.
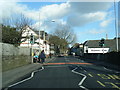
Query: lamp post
x,y
43,33
116,25
44,29
44,38
39,33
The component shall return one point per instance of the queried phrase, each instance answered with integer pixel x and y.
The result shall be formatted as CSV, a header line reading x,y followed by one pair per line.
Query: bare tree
x,y
65,32
60,43
66,36
18,21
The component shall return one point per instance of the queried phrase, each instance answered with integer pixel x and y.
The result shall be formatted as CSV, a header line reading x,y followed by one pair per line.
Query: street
x,y
60,44
71,72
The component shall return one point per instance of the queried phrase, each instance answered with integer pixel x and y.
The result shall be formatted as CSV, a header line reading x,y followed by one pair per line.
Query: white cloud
x,y
37,25
54,11
76,14
94,31
83,13
32,14
96,15
9,8
80,20
89,7
105,23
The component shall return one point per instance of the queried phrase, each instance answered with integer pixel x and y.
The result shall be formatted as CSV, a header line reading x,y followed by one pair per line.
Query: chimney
x,y
106,36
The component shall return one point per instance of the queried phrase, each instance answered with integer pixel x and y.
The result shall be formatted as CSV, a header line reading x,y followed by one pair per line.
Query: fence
x,y
112,57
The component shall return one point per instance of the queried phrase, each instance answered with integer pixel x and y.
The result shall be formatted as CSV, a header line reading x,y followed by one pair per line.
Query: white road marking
x,y
84,87
117,72
32,75
107,69
84,77
66,59
80,68
110,70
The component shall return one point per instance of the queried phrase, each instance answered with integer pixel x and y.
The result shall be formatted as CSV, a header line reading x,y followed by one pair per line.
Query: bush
x,y
10,35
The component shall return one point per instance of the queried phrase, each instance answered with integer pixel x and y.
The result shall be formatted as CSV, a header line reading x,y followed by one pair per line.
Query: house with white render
x,y
38,44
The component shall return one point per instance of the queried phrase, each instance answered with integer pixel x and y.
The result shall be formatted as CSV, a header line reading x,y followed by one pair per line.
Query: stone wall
x,y
13,57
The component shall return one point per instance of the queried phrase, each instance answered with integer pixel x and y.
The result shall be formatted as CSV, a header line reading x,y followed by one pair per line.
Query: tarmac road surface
x,y
70,72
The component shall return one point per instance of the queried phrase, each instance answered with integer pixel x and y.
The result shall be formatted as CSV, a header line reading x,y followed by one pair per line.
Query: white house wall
x,y
41,41
47,48
28,32
27,43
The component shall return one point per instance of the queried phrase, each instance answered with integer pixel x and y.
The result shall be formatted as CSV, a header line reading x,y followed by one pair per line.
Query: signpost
x,y
98,50
32,42
31,39
102,43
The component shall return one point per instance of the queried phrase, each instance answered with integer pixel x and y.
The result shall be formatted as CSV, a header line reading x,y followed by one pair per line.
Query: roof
x,y
41,32
109,43
37,32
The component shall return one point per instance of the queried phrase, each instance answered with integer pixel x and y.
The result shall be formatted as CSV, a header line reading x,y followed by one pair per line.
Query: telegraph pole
x,y
116,29
39,32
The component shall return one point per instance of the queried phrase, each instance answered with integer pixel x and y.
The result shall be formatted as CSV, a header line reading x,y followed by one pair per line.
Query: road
x,y
71,72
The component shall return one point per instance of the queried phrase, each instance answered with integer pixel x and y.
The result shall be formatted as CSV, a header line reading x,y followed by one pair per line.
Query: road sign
x,y
98,50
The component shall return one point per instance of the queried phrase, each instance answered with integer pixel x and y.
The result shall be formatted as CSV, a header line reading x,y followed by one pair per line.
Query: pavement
x,y
9,77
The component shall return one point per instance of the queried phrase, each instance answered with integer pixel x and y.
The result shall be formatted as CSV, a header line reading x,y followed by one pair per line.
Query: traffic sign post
x,y
31,39
102,43
32,42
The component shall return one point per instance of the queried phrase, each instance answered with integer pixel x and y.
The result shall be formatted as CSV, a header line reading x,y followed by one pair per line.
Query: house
x,y
39,43
27,31
75,49
52,48
92,46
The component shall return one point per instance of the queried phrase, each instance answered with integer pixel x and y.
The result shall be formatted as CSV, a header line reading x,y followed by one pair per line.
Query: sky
x,y
88,20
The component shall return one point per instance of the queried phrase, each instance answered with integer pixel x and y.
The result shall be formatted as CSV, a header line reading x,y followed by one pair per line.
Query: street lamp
x,y
39,33
44,31
44,28
44,37
116,29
